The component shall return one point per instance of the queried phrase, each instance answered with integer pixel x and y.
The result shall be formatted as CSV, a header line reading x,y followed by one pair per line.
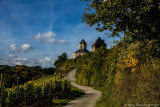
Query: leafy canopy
x,y
62,58
137,19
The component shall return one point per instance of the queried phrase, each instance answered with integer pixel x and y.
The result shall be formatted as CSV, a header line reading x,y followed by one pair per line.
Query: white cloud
x,y
48,37
46,62
22,49
23,61
12,56
62,42
19,61
47,59
13,47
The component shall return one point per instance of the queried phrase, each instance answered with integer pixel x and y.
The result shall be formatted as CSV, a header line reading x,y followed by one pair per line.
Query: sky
x,y
36,32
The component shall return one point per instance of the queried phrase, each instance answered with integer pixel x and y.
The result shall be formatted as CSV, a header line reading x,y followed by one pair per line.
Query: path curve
x,y
87,100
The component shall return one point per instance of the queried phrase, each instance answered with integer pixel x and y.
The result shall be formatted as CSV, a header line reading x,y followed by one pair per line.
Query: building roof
x,y
82,42
82,51
99,42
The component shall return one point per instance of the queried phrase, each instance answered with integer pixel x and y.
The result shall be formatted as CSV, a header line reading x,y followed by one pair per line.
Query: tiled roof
x,y
99,42
82,42
82,51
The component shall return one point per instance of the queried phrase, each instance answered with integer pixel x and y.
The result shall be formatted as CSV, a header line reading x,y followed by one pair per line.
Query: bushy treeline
x,y
24,73
34,92
128,73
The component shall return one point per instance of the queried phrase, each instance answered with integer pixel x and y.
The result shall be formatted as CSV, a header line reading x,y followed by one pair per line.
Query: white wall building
x,y
82,49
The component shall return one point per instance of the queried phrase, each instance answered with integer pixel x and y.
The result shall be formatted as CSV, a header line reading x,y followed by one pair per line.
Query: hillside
x,y
128,73
1,66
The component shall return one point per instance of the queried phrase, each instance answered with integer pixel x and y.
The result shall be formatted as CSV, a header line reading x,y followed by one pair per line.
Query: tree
x,y
137,19
62,58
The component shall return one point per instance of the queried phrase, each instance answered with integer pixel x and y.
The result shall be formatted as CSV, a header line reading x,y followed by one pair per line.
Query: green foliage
x,y
3,97
51,87
130,82
68,65
137,19
89,67
128,73
62,58
141,88
25,73
65,98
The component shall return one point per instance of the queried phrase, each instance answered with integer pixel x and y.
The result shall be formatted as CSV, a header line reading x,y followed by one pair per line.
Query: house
x,y
82,49
97,44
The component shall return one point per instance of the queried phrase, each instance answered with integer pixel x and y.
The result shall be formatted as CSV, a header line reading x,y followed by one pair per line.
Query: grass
x,y
64,99
60,102
99,88
102,90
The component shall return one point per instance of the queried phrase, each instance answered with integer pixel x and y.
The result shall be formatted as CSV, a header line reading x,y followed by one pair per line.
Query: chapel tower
x,y
82,45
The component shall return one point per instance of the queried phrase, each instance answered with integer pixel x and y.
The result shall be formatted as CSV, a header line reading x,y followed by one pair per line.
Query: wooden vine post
x,y
1,80
17,88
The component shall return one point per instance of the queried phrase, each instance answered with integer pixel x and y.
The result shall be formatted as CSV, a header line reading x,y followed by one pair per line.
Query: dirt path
x,y
87,100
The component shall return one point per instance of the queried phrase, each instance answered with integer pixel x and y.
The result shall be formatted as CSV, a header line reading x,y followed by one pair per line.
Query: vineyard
x,y
34,91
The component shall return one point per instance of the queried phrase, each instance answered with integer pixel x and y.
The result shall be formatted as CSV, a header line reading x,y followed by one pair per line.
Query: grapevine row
x,y
23,94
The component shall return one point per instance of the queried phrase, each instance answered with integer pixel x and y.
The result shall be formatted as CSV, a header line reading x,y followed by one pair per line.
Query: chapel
x,y
82,49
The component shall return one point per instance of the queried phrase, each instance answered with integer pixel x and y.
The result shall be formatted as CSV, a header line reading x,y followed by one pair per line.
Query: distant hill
x,y
1,66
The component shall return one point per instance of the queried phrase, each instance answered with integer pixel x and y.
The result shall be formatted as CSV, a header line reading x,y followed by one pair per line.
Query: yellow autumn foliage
x,y
132,61
131,57
118,77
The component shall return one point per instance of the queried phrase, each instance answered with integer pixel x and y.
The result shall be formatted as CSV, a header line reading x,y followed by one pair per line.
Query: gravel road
x,y
87,100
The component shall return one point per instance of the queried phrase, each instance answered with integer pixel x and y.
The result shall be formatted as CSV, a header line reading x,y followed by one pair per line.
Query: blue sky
x,y
35,32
